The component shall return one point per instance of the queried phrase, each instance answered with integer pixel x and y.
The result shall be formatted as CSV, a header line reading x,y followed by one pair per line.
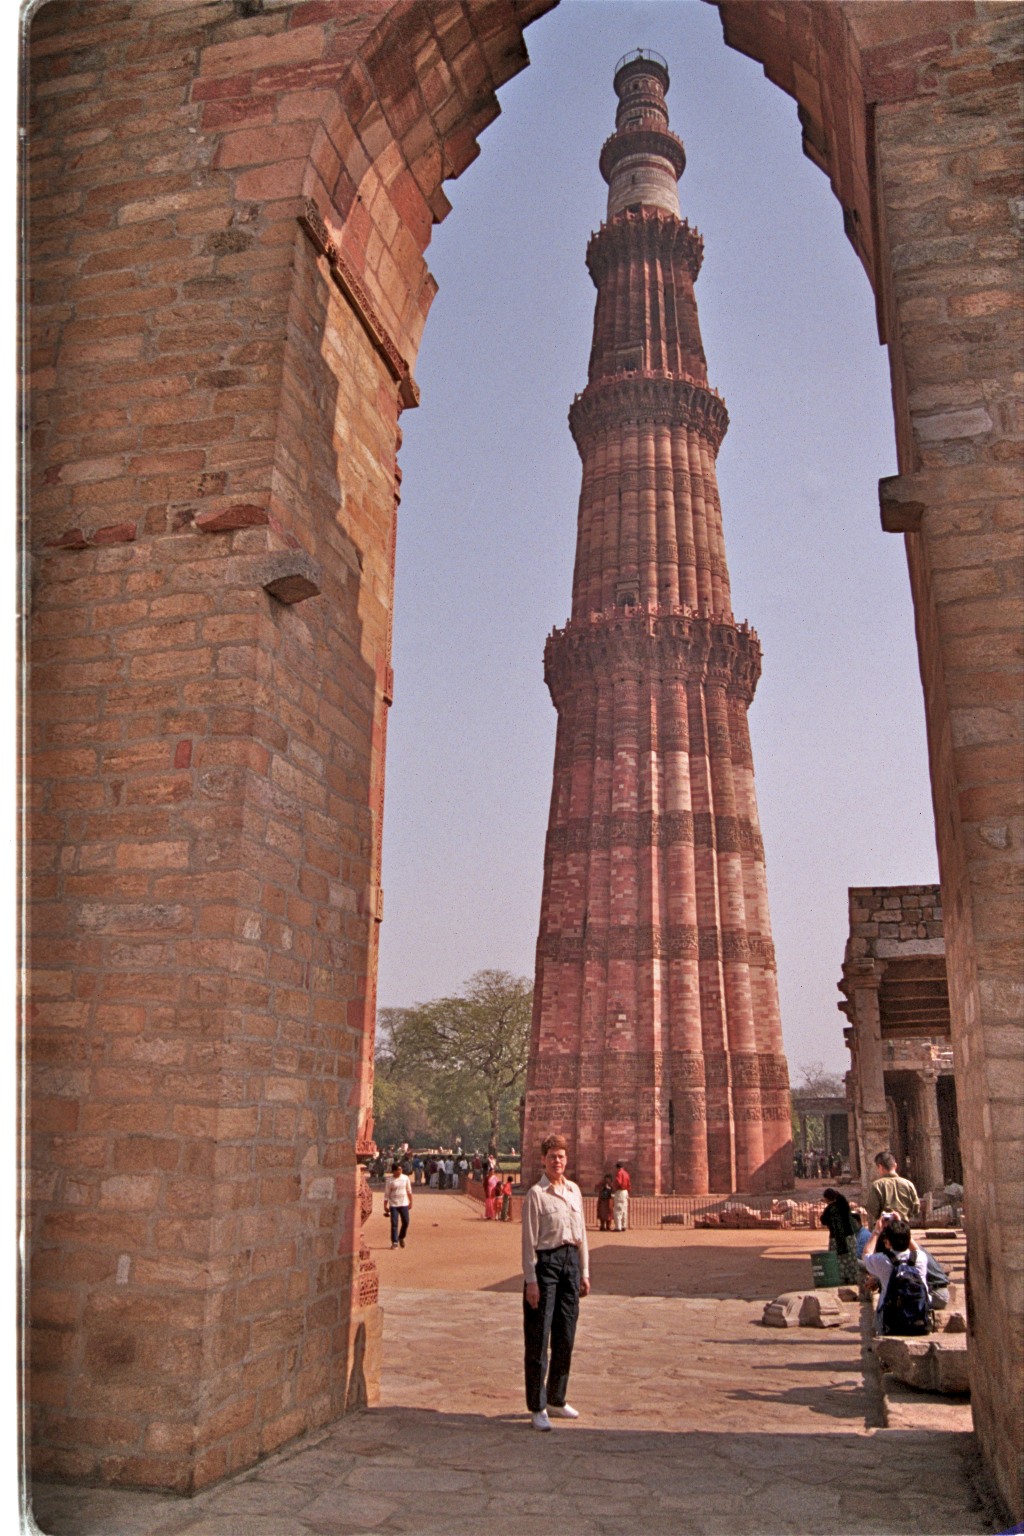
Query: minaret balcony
x,y
641,234
670,400
646,139
652,642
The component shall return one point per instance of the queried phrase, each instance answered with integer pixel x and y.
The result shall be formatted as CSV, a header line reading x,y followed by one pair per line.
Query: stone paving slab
x,y
696,1422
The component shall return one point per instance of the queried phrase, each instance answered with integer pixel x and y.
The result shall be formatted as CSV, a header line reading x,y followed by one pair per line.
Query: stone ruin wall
x,y
893,923
932,205
216,375
203,938
885,919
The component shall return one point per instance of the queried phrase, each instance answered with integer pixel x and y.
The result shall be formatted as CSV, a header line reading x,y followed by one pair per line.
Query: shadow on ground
x,y
716,1272
415,1472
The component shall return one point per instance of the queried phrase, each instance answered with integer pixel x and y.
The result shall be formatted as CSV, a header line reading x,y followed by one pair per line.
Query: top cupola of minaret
x,y
643,160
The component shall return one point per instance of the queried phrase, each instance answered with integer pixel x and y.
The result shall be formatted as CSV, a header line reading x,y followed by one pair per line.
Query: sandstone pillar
x,y
873,1116
929,1132
656,1035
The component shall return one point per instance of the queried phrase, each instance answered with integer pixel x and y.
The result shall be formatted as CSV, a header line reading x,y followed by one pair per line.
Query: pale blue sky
x,y
487,522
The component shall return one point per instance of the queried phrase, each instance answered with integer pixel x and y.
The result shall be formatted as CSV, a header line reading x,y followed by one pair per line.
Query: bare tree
x,y
822,1083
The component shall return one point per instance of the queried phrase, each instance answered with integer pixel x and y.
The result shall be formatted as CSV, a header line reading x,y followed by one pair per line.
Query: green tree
x,y
400,1109
463,1053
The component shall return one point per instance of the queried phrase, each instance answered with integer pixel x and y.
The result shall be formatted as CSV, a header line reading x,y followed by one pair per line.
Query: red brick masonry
x,y
656,1033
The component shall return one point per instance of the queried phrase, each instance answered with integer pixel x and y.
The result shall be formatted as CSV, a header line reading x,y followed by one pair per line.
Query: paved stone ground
x,y
696,1421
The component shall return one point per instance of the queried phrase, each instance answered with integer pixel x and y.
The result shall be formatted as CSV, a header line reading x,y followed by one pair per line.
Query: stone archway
x,y
229,205
910,111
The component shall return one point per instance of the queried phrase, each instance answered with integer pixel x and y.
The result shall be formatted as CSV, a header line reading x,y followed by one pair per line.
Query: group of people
x,y
497,1195
613,1200
876,1239
440,1169
873,1241
815,1164
407,1169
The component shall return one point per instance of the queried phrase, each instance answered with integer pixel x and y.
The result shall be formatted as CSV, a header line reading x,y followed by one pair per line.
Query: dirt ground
x,y
452,1248
695,1419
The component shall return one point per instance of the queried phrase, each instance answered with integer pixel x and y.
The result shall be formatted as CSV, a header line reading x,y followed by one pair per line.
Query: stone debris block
x,y
848,1293
784,1311
935,1364
954,1321
820,1309
738,1218
806,1309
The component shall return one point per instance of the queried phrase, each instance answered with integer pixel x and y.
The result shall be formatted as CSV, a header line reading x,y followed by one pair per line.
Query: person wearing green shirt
x,y
891,1192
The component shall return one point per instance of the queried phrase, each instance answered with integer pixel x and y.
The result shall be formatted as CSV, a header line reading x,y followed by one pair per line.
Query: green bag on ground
x,y
825,1268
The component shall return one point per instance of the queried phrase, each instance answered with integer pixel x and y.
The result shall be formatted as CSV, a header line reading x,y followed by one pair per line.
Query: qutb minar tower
x,y
656,1032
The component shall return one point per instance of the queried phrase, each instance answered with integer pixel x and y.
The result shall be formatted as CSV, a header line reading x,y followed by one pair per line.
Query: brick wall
x,y
913,111
950,169
202,934
217,370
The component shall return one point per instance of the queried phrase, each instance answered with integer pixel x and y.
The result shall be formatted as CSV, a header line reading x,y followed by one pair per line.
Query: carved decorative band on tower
x,y
656,1033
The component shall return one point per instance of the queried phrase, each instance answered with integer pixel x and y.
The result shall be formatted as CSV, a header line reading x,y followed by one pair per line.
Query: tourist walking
x,y
891,1192
620,1197
842,1234
556,1273
506,1198
492,1183
398,1203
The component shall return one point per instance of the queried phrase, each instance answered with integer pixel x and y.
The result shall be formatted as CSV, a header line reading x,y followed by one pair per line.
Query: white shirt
x,y
397,1189
553,1215
882,1267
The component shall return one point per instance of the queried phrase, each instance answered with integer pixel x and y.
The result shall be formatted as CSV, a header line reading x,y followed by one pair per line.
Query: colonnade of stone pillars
x,y
875,1128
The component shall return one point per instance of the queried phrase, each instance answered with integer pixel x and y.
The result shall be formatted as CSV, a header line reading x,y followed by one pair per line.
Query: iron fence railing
x,y
778,1212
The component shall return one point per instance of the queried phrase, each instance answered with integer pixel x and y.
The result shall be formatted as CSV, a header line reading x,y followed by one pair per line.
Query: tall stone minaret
x,y
656,1033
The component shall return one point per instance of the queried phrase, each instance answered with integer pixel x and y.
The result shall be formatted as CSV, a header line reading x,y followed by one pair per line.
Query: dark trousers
x,y
399,1217
552,1322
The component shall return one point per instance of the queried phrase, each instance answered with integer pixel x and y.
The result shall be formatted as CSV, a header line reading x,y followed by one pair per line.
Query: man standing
x,y
556,1273
890,1192
620,1198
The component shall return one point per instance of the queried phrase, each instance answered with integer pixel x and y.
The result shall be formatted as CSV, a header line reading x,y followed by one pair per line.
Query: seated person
x,y
863,1233
937,1281
900,1268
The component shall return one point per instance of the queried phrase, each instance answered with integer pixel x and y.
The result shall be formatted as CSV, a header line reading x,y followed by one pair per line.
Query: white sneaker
x,y
563,1411
540,1420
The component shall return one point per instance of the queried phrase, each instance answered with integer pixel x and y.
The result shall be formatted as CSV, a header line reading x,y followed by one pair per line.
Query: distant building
x,y
830,1111
900,1087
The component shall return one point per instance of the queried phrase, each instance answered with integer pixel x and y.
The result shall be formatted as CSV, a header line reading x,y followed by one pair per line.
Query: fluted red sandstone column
x,y
656,1034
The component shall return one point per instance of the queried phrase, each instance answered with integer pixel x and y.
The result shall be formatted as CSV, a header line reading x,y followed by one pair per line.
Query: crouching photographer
x,y
900,1270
